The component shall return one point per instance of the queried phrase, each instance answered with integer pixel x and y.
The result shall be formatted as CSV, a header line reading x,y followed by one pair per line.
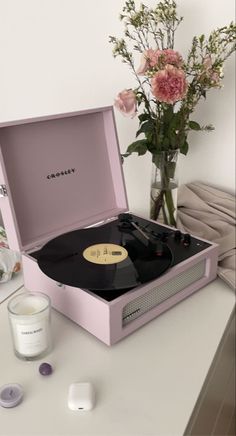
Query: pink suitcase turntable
x,y
64,206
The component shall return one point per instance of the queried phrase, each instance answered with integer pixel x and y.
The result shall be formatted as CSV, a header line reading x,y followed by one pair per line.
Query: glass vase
x,y
164,187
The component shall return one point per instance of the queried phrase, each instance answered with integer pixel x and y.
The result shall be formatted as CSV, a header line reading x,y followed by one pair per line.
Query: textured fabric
x,y
209,213
10,261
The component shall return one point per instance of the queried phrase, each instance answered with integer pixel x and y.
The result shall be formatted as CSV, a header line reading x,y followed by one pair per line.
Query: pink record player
x,y
61,181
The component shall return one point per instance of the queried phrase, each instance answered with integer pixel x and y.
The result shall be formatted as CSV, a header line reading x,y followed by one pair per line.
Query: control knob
x,y
187,239
178,235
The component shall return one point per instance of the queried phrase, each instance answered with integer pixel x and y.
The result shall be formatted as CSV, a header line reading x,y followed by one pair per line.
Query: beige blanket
x,y
209,213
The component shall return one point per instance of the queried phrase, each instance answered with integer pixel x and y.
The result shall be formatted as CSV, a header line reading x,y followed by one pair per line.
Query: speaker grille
x,y
134,309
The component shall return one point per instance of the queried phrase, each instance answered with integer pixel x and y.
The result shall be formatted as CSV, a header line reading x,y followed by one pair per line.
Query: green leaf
x,y
143,117
145,128
171,167
139,147
194,125
151,146
201,38
173,139
156,159
168,167
184,148
166,142
168,114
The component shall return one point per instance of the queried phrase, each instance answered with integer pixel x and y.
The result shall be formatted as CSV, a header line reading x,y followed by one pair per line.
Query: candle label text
x,y
32,339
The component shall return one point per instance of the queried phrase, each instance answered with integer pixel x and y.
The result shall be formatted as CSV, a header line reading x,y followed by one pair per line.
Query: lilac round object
x,y
11,395
45,369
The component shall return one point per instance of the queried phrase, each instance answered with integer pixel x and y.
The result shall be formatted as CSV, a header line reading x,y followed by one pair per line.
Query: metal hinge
x,y
3,191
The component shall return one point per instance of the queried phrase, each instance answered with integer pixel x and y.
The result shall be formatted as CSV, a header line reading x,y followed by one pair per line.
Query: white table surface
x,y
147,384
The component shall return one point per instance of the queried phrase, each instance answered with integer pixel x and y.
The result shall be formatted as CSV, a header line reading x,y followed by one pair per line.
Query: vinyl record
x,y
103,258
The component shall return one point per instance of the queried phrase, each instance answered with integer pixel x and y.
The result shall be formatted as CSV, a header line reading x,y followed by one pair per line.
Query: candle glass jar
x,y
30,317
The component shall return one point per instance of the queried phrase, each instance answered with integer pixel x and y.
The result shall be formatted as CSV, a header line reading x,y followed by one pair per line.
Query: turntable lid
x,y
61,172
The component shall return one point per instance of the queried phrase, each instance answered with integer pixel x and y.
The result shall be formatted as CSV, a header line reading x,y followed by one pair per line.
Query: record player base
x,y
114,320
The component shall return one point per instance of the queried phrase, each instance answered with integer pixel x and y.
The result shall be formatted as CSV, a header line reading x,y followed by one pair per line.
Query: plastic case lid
x,y
61,172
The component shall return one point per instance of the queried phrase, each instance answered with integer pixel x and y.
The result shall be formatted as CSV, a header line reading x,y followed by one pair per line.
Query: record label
x,y
105,254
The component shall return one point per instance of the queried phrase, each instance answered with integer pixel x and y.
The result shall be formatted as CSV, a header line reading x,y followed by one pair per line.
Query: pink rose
x,y
169,85
126,103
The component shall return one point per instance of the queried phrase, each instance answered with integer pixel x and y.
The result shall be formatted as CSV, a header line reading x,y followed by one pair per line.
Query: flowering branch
x,y
169,88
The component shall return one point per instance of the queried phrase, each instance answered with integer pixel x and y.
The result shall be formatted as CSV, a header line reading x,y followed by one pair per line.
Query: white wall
x,y
55,57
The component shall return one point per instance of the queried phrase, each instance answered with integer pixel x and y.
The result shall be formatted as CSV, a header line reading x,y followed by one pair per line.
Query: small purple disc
x,y
11,395
45,368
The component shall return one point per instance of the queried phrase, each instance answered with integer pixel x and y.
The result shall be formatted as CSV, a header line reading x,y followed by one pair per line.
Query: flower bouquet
x,y
168,88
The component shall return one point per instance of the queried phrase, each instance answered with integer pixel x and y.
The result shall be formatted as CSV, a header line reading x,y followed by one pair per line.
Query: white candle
x,y
29,316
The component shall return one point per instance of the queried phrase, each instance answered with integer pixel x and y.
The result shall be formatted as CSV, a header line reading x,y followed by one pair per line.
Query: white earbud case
x,y
81,396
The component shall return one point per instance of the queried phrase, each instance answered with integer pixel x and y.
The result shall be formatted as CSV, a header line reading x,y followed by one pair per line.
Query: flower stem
x,y
170,207
164,202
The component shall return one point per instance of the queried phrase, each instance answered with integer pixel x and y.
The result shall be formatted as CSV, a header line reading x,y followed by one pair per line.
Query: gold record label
x,y
105,254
